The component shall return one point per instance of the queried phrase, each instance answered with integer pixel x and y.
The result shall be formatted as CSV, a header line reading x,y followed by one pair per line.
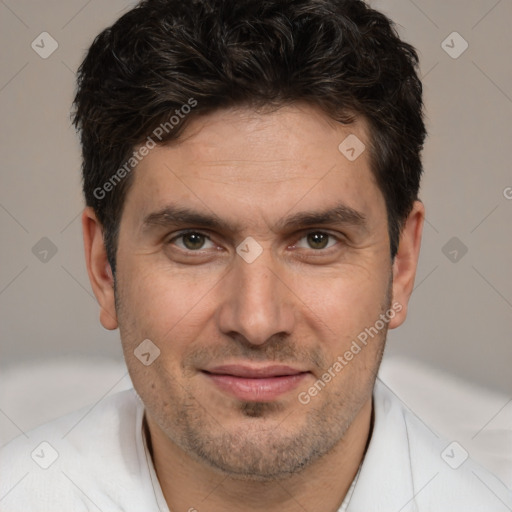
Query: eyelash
x,y
304,235
190,232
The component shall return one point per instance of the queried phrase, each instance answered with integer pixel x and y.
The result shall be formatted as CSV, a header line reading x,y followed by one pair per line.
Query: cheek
x,y
161,311
343,305
163,305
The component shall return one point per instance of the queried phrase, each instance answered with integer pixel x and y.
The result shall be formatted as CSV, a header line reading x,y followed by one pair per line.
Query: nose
x,y
256,303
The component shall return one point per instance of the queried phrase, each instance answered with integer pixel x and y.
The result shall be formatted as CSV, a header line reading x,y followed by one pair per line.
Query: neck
x,y
189,484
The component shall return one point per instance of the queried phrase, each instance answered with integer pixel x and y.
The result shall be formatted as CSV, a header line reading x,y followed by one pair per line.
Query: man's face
x,y
243,335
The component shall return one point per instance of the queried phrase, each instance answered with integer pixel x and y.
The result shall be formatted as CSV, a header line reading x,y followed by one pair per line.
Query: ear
x,y
98,268
406,262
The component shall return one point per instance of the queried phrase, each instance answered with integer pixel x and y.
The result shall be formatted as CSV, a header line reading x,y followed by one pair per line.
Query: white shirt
x,y
96,459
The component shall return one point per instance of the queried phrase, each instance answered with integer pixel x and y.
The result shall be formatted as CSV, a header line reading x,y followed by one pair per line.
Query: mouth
x,y
259,384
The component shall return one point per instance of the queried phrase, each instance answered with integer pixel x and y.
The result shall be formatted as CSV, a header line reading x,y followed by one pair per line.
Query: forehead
x,y
262,160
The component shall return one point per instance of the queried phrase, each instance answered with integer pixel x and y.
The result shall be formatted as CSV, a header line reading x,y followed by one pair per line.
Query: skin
x,y
300,303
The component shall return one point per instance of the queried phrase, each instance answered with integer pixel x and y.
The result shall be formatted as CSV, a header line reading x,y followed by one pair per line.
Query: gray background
x,y
460,312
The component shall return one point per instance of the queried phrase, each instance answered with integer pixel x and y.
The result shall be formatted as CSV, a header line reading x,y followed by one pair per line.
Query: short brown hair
x,y
339,55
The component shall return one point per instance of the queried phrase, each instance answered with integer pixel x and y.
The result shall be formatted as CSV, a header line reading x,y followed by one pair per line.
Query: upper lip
x,y
252,372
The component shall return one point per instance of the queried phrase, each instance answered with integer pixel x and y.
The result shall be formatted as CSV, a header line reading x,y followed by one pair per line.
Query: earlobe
x,y
406,261
98,268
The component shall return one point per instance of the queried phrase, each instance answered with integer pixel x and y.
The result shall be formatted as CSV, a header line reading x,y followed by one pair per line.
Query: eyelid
x,y
184,232
338,237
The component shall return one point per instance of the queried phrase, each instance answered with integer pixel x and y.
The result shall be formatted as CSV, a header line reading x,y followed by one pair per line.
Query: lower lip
x,y
258,390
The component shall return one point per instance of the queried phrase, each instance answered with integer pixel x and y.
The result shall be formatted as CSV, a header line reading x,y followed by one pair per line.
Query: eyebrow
x,y
340,214
173,215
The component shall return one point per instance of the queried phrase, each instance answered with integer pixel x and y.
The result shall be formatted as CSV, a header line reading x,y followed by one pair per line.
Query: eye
x,y
317,240
192,241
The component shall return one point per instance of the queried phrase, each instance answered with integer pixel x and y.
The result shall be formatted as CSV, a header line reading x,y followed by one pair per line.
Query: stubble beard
x,y
253,451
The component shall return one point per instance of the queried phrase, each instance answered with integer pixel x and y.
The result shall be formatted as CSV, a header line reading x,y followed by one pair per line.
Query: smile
x,y
255,384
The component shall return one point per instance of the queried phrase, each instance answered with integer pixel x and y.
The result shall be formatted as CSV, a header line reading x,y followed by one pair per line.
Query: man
x,y
251,171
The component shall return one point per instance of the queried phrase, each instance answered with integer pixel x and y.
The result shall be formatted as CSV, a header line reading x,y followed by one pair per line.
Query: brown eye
x,y
318,240
191,241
